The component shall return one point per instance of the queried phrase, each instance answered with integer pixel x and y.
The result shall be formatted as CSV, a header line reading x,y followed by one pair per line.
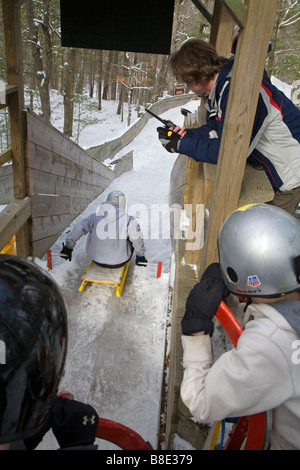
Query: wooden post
x,y
15,101
242,102
222,29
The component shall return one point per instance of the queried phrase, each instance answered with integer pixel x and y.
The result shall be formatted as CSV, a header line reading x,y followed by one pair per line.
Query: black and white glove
x,y
140,261
203,302
73,423
66,252
169,139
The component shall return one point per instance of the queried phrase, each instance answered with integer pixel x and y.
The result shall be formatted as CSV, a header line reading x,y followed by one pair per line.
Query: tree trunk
x,y
274,38
106,84
100,66
42,68
69,91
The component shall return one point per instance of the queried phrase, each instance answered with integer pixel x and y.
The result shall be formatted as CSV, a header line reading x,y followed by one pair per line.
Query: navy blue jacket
x,y
275,139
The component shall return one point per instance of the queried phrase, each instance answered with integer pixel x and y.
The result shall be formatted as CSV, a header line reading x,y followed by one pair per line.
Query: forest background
x,y
84,78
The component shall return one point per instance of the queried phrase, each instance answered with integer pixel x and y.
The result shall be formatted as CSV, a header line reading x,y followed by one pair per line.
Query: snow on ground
x,y
116,345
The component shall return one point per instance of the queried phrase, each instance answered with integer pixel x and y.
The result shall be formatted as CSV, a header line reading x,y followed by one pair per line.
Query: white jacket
x,y
262,373
112,235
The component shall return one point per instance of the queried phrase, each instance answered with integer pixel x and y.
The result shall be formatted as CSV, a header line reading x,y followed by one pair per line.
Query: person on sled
x,y
113,235
259,254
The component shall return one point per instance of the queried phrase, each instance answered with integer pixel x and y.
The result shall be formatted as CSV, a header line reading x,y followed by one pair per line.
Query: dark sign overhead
x,y
132,25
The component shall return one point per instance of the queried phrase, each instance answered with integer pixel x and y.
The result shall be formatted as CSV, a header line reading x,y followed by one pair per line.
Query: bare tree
x,y
41,51
69,74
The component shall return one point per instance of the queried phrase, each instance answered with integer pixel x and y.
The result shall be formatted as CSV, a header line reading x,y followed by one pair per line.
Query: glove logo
x,y
86,420
253,281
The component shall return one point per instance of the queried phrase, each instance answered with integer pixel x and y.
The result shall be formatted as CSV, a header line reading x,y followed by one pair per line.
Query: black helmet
x,y
33,344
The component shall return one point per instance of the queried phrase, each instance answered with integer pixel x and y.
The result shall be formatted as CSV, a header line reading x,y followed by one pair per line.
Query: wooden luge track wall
x,y
61,181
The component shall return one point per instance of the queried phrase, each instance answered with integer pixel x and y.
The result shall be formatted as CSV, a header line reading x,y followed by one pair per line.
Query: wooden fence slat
x,y
12,219
48,205
40,247
47,226
51,139
5,156
45,183
43,160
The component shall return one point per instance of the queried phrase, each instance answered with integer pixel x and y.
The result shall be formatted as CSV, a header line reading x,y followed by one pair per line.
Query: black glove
x,y
140,260
73,423
66,252
169,139
203,302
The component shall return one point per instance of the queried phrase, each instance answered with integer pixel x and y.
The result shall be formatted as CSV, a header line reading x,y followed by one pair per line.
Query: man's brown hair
x,y
196,60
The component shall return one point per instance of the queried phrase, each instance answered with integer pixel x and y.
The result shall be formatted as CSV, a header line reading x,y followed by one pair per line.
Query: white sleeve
x,y
80,229
249,379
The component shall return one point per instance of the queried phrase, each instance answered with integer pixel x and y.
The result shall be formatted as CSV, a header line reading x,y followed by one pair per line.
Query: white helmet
x,y
117,196
259,249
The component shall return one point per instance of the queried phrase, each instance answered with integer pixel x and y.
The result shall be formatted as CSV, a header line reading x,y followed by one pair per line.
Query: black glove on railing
x,y
169,139
203,302
66,252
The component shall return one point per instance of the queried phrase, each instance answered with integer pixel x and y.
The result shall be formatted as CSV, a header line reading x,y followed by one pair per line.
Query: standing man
x,y
275,139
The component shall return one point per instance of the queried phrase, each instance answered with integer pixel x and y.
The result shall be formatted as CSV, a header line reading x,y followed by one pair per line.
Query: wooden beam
x,y
5,156
242,102
222,30
14,65
15,101
203,10
237,10
12,219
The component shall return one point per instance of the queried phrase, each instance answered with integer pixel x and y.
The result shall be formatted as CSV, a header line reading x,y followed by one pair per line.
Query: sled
x,y
100,275
248,432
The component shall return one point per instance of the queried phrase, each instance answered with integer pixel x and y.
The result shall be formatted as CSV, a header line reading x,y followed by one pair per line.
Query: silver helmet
x,y
117,196
259,249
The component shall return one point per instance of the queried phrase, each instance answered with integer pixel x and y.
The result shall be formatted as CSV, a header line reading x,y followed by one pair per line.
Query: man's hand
x,y
169,139
66,253
203,302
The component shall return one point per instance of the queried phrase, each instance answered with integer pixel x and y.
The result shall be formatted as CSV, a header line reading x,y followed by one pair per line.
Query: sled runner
x,y
98,274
